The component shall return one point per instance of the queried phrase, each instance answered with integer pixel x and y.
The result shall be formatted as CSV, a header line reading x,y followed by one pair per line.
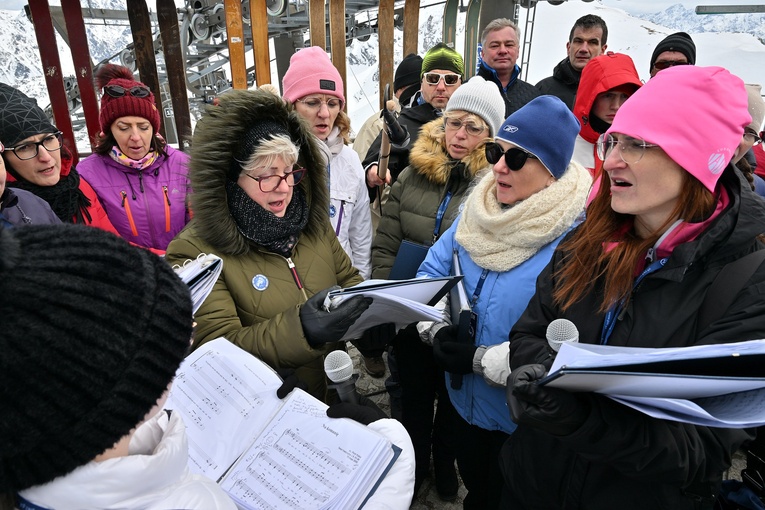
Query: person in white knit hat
x,y
423,202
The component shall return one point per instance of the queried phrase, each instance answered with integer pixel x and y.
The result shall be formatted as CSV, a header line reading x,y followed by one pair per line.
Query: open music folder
x,y
270,453
200,275
719,385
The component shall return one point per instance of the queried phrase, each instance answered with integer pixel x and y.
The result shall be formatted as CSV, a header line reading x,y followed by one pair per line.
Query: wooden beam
x,y
260,46
317,23
337,40
411,26
176,71
235,38
385,46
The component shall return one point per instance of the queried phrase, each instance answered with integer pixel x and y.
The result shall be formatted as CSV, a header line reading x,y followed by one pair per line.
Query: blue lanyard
x,y
478,287
24,504
613,313
440,214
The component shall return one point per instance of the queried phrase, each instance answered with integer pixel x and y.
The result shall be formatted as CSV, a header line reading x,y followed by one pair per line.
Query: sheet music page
x,y
304,460
226,396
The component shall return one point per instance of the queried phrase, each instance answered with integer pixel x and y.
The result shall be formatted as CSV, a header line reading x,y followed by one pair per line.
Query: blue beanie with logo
x,y
546,128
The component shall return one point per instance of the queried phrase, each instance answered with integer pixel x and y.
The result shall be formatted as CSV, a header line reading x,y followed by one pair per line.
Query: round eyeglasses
x,y
631,150
269,183
314,103
119,91
450,79
514,158
471,128
29,150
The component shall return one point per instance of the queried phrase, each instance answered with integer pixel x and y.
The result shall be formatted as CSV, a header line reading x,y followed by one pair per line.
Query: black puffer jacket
x,y
621,458
517,93
562,84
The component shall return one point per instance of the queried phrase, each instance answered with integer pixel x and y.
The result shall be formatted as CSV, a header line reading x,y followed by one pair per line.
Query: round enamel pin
x,y
260,282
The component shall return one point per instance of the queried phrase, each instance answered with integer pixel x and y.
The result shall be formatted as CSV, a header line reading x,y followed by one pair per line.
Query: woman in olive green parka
x,y
256,302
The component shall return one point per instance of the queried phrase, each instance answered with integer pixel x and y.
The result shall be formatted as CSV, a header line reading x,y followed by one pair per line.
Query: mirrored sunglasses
x,y
120,91
514,158
450,79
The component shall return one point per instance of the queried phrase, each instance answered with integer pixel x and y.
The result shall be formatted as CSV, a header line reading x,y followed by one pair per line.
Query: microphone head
x,y
561,331
338,366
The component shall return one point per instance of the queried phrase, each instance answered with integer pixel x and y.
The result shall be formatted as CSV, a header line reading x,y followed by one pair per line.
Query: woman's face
x,y
275,201
608,103
647,188
516,185
133,136
44,169
464,132
320,110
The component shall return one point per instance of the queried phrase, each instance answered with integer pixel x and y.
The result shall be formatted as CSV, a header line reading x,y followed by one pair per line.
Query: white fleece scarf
x,y
500,238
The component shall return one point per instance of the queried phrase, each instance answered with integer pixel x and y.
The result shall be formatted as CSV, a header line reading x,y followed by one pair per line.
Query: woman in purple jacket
x,y
141,181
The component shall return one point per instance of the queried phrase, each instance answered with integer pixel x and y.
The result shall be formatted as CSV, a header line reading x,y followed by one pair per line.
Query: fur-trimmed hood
x,y
215,140
429,157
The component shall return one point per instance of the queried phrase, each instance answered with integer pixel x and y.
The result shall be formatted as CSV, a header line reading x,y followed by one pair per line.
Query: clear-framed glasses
x,y
269,183
450,79
753,137
28,150
119,91
631,150
515,158
314,103
663,64
2,148
471,127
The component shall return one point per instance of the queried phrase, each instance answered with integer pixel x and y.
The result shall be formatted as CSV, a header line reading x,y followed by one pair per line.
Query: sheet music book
x,y
401,302
267,453
721,385
200,275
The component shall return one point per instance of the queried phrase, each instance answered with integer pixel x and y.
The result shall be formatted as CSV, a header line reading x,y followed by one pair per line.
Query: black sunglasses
x,y
664,64
514,158
120,91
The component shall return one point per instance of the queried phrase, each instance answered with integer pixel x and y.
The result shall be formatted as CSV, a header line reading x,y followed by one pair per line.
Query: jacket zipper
x,y
167,209
126,206
296,277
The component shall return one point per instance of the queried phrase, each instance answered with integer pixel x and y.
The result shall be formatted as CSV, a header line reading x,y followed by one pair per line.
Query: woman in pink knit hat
x,y
671,213
141,181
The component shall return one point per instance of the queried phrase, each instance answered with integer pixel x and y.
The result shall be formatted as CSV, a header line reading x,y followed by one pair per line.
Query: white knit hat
x,y
482,98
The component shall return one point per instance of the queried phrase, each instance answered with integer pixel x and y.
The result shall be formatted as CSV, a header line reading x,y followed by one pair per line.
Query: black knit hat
x,y
679,41
93,330
408,72
250,141
20,117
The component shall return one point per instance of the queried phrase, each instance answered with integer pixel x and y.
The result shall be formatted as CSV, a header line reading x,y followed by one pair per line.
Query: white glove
x,y
428,329
494,364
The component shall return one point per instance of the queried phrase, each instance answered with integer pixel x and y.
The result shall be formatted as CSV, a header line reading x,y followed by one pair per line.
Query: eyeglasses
x,y
471,128
753,137
28,150
314,103
663,64
2,148
269,183
120,91
514,158
450,79
631,150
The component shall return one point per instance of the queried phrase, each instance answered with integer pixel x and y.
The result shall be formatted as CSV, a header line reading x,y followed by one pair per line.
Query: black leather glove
x,y
365,412
453,356
290,381
320,326
555,411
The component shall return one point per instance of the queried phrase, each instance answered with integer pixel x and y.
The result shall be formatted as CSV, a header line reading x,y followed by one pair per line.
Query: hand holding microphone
x,y
398,134
339,369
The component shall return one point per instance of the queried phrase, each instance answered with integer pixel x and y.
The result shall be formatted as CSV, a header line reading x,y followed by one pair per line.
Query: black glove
x,y
289,383
453,356
321,326
557,412
365,412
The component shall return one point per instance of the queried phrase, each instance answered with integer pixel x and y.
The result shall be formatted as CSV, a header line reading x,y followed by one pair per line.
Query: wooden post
x,y
143,46
51,64
78,45
385,46
260,47
317,23
337,39
235,38
176,70
411,26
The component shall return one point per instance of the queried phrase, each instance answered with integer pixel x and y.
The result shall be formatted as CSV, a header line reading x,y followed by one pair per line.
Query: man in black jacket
x,y
586,40
499,53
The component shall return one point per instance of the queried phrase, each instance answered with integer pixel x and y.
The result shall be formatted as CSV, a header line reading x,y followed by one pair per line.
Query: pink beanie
x,y
695,114
311,72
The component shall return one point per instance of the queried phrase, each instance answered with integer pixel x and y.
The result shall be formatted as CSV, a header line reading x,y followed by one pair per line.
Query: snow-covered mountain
x,y
733,41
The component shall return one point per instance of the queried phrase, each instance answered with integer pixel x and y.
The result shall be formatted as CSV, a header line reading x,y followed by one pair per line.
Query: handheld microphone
x,y
339,369
397,134
561,331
